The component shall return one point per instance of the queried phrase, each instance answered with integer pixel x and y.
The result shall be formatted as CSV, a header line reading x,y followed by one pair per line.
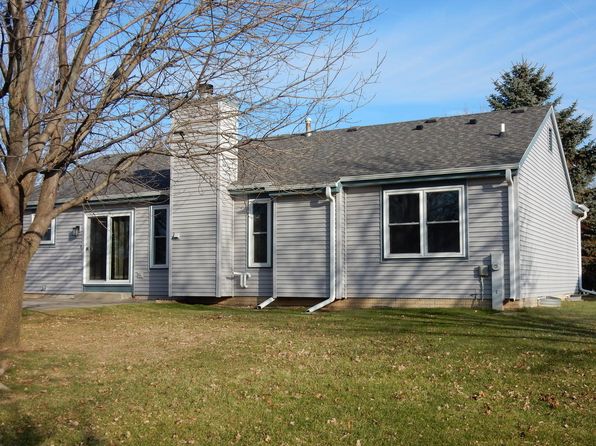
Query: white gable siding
x,y
547,227
369,276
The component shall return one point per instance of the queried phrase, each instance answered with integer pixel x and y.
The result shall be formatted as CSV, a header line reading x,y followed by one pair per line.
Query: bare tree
x,y
85,78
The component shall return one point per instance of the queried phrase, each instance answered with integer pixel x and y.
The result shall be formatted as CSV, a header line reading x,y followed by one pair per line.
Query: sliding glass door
x,y
108,248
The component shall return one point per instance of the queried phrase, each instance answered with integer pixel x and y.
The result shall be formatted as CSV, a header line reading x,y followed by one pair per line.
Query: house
x,y
456,211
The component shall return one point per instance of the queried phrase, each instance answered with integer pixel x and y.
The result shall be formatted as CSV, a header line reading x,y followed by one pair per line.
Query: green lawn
x,y
159,374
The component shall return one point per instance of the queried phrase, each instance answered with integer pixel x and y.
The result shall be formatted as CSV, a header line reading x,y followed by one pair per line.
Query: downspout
x,y
331,297
512,236
584,209
273,258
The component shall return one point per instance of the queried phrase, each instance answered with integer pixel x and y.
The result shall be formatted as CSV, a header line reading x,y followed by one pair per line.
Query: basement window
x,y
425,222
159,237
259,233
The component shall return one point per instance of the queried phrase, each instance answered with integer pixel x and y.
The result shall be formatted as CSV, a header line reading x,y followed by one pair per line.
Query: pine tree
x,y
527,85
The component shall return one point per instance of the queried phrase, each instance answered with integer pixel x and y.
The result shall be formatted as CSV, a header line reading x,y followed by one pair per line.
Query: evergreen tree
x,y
528,85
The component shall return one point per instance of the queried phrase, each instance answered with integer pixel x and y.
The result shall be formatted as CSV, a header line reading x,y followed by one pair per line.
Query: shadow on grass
x,y
470,323
20,430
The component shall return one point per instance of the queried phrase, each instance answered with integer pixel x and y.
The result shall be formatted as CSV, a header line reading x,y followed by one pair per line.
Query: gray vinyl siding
x,y
200,259
367,275
547,227
58,268
302,244
260,282
149,282
194,218
226,234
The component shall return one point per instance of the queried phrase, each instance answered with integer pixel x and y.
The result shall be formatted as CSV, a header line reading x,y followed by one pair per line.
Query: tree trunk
x,y
15,254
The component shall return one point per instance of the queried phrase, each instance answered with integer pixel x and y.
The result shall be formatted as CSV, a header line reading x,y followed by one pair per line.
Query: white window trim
x,y
87,234
423,232
250,249
152,238
52,229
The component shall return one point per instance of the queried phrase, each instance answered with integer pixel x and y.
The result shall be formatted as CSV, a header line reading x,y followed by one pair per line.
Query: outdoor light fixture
x,y
75,231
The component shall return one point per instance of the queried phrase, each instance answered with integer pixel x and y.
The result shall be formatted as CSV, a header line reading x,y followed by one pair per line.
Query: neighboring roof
x,y
441,144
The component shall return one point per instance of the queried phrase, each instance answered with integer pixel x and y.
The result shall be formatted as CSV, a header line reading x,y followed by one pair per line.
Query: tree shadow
x,y
22,430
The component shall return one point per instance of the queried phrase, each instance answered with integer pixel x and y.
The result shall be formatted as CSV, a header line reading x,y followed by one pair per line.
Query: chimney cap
x,y
205,89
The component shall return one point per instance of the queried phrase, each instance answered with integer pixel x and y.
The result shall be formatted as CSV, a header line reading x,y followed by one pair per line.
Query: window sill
x,y
421,257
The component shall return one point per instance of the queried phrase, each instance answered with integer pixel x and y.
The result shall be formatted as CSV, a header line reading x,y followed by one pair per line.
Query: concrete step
x,y
102,296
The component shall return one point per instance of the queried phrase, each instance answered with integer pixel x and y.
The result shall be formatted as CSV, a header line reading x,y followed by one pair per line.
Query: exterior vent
x,y
473,121
519,110
502,132
352,129
419,127
430,121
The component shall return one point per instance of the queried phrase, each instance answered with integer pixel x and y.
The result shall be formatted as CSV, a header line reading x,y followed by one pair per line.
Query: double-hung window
x,y
49,238
427,222
159,237
259,233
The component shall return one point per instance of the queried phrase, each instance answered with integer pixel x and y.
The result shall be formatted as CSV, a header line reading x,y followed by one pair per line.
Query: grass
x,y
160,374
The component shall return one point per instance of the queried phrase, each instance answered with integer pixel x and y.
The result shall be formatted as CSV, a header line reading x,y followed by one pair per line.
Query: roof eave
x,y
140,196
381,178
443,173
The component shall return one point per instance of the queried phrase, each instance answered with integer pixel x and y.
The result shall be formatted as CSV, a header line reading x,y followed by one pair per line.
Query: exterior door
x,y
108,250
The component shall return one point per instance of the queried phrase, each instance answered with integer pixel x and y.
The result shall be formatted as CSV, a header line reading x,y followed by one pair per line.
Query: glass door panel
x,y
120,248
98,242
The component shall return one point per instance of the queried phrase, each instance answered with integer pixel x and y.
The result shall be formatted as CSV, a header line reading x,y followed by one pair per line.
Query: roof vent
x,y
519,110
352,129
308,127
473,121
419,127
502,133
430,121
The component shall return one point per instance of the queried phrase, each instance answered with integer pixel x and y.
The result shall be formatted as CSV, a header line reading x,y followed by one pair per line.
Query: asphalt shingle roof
x,y
442,143
149,174
326,156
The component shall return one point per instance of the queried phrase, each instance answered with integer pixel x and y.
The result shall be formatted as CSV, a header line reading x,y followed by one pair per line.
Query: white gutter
x,y
331,297
273,258
133,196
512,236
281,188
585,210
419,173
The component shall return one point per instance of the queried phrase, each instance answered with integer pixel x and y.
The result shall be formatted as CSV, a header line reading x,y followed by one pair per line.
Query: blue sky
x,y
441,56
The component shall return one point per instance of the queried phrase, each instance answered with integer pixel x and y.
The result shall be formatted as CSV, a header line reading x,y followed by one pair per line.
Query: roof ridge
x,y
315,132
